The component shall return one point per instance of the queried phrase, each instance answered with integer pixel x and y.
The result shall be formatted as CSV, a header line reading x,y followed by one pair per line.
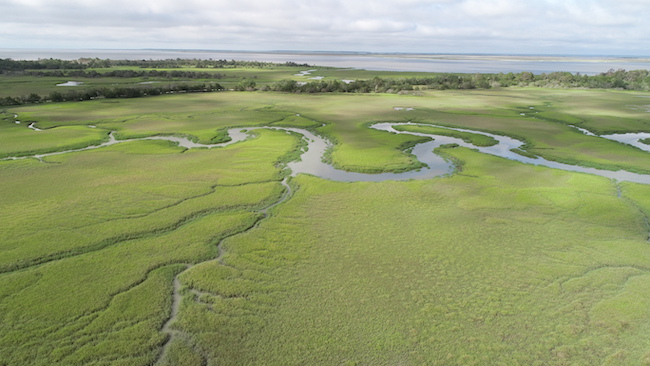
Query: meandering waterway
x,y
506,144
311,159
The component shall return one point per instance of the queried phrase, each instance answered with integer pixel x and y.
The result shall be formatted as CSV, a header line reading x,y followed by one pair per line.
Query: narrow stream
x,y
505,144
31,125
177,297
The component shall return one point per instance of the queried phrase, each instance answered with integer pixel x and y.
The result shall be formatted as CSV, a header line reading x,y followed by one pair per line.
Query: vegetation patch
x,y
524,153
472,138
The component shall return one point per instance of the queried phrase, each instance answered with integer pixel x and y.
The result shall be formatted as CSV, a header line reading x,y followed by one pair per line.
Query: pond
x,y
71,83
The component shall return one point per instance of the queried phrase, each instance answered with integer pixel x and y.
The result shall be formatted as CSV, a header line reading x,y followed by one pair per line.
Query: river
x,y
311,159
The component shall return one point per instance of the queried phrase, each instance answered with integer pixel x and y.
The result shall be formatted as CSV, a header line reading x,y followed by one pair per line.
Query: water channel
x,y
310,161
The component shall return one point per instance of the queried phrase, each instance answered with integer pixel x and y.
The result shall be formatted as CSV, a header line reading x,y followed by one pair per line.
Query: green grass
x,y
604,112
501,263
524,153
113,235
19,140
18,86
144,194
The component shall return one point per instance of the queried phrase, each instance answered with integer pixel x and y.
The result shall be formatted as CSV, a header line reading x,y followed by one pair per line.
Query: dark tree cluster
x,y
201,64
173,74
381,85
8,65
114,92
613,79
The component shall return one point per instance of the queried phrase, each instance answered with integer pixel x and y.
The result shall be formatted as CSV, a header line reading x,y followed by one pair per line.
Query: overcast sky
x,y
580,27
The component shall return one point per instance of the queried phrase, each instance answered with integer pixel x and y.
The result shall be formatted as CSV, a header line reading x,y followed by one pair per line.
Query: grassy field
x,y
502,263
505,264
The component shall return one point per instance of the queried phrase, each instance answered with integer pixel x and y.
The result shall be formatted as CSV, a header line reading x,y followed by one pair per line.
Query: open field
x,y
500,263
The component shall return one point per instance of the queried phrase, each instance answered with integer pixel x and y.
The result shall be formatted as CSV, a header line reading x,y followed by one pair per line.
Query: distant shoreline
x,y
460,56
528,58
432,56
413,62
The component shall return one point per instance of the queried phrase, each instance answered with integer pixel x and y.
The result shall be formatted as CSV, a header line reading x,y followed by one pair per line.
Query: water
x,y
311,163
31,125
311,160
71,83
588,65
633,139
583,130
504,149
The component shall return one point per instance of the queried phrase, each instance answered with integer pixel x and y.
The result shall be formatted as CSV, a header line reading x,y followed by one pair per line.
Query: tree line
x,y
110,93
612,79
195,63
8,65
167,74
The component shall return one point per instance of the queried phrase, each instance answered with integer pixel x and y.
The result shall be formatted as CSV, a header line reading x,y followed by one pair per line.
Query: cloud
x,y
498,26
493,8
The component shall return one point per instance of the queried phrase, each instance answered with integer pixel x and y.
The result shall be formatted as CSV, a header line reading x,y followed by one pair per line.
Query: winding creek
x,y
177,297
310,161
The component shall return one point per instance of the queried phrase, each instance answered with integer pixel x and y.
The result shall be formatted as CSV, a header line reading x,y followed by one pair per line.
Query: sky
x,y
572,27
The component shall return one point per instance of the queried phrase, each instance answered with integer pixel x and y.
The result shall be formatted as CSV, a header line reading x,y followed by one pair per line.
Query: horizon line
x,y
335,52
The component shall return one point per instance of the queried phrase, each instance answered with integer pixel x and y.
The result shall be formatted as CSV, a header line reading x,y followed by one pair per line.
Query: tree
x,y
248,85
57,97
33,98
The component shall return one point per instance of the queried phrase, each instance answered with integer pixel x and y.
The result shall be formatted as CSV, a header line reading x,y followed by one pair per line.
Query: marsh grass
x,y
102,231
463,270
96,278
500,263
524,153
90,202
19,140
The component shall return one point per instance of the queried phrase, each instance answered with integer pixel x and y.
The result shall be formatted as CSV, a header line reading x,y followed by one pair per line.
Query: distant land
x,y
418,62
